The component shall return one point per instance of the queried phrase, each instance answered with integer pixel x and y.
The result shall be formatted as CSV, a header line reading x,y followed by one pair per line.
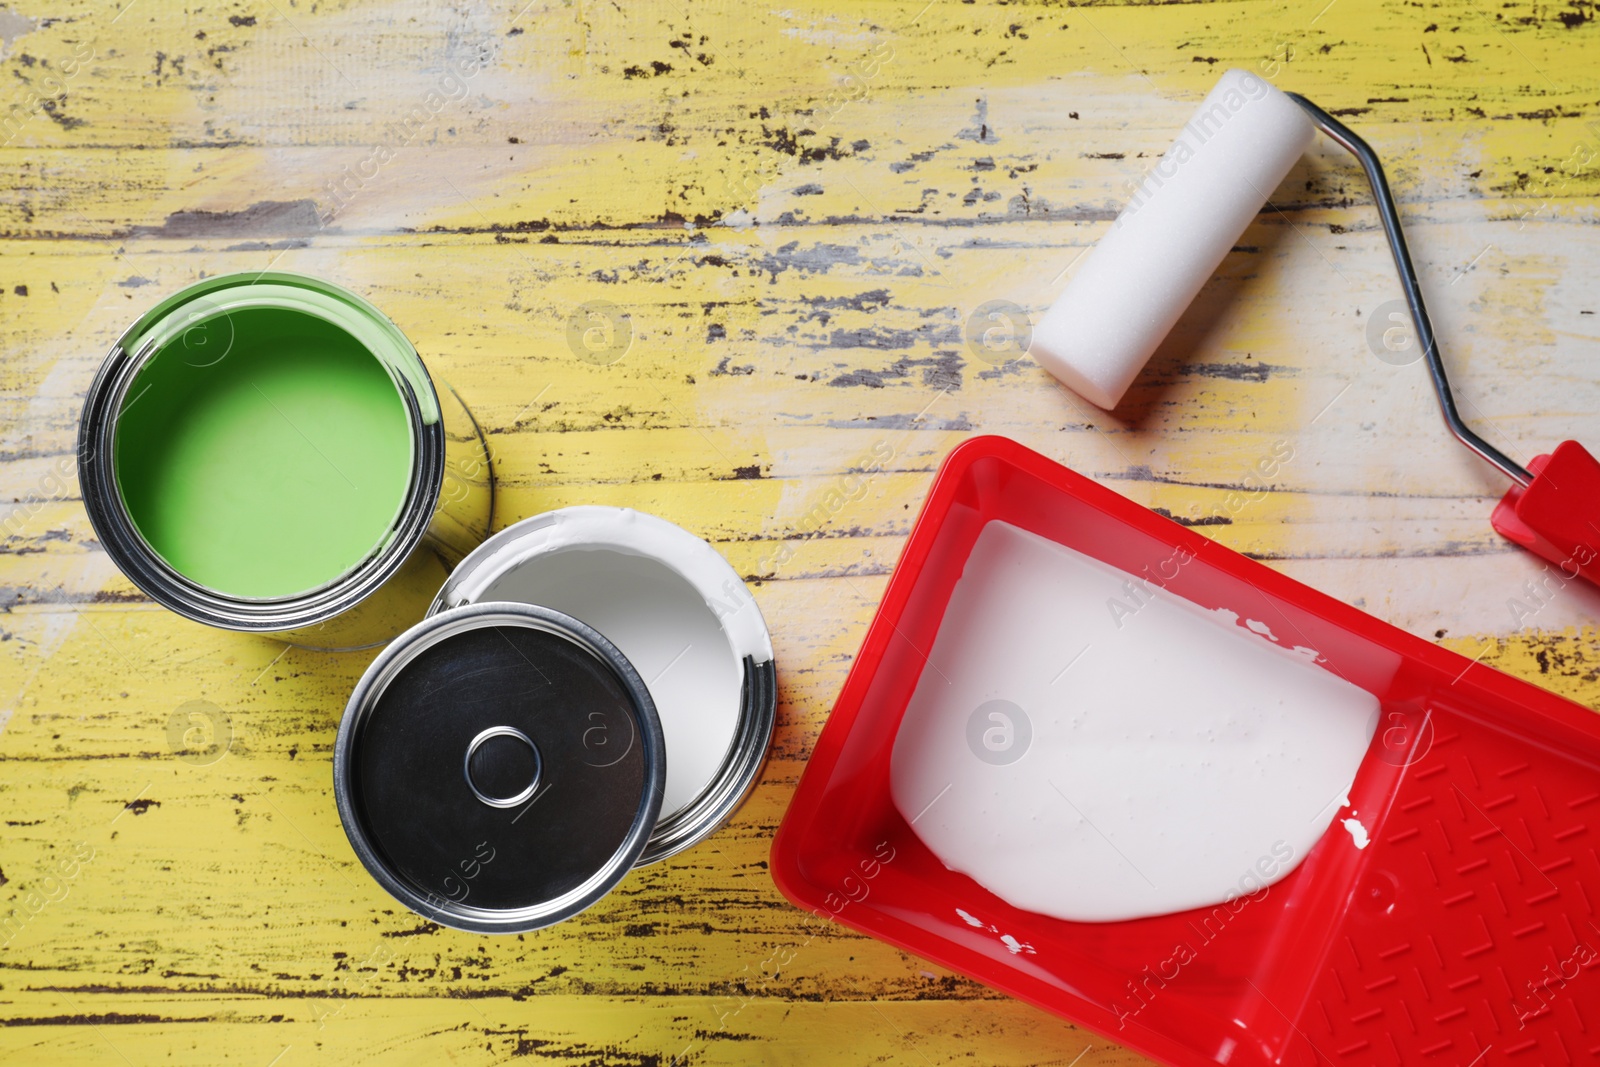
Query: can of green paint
x,y
267,453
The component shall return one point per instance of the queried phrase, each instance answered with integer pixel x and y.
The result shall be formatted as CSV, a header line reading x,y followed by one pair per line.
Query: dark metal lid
x,y
499,767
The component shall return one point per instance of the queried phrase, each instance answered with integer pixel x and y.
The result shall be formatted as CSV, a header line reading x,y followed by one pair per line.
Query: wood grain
x,y
797,210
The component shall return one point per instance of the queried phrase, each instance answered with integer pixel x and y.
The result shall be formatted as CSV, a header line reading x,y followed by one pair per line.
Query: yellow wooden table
x,y
779,219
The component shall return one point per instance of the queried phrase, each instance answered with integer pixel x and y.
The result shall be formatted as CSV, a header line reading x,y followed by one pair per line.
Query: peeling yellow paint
x,y
796,209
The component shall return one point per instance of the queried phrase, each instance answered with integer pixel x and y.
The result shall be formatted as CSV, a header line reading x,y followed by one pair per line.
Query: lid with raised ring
x,y
499,767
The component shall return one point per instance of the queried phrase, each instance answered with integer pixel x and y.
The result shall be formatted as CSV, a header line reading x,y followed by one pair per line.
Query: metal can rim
x,y
158,579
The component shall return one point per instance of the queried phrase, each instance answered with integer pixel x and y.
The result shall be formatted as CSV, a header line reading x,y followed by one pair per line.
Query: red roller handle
x,y
1557,515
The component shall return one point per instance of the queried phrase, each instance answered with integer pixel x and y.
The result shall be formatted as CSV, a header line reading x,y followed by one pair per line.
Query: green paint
x,y
273,469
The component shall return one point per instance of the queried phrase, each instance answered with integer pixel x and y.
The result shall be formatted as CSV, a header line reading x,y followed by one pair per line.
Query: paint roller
x,y
1182,221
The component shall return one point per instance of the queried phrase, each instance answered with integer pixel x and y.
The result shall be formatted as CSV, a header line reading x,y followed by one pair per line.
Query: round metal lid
x,y
499,767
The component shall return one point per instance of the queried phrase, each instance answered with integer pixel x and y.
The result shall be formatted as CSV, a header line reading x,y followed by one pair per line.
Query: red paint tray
x,y
1465,933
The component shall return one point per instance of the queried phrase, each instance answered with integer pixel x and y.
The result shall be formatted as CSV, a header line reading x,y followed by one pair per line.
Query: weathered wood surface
x,y
797,208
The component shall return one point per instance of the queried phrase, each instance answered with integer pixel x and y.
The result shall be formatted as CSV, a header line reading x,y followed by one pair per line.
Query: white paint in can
x,y
664,597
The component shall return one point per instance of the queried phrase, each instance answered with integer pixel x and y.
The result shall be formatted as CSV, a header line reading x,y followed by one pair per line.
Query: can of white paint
x,y
673,605
593,690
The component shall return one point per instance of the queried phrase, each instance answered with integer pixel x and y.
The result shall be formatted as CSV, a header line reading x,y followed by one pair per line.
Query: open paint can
x,y
685,621
267,453
593,690
499,767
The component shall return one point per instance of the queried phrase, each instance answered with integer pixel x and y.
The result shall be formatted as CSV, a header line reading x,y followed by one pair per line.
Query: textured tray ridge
x,y
1471,928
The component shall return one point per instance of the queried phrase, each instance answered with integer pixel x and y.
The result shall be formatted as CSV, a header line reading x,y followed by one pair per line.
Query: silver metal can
x,y
448,496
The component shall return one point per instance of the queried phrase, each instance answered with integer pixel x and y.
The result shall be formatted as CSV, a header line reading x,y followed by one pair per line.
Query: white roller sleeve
x,y
1170,238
